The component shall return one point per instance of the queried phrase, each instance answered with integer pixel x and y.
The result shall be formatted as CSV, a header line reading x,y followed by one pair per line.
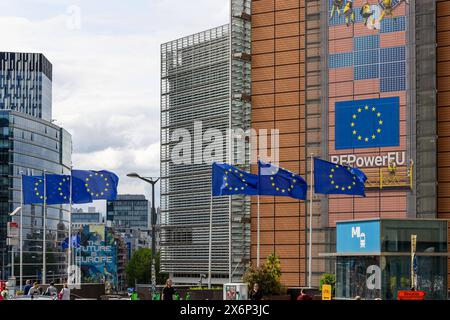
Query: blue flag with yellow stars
x,y
89,185
367,123
275,181
57,188
33,189
228,180
332,178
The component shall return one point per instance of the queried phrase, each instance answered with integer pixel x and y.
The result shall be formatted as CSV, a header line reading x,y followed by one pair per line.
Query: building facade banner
x,y
98,256
358,237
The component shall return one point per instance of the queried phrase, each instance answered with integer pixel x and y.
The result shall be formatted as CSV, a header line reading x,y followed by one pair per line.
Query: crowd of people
x,y
35,290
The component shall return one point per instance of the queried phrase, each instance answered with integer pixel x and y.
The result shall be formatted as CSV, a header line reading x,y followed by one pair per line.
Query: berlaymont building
x,y
310,60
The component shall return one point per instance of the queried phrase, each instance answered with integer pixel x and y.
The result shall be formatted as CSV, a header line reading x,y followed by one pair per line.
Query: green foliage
x,y
139,268
267,276
328,278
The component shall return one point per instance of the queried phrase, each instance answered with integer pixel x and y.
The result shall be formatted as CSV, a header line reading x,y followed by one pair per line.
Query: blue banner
x,y
367,123
358,236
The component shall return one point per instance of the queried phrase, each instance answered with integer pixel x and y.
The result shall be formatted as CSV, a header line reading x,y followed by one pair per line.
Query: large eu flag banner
x,y
275,181
33,189
228,180
57,188
367,123
332,178
89,185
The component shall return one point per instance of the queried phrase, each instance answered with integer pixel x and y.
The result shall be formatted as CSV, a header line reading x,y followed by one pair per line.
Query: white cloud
x,y
106,74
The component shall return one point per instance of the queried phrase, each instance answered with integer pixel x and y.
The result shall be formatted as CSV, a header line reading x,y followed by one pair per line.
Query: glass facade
x,y
383,275
128,212
26,84
29,145
205,77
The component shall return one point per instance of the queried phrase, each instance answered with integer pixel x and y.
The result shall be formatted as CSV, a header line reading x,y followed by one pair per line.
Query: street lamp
x,y
152,181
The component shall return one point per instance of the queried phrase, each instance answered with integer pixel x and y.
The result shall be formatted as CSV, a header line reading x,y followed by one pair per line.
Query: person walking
x,y
65,292
27,287
256,294
51,290
34,290
304,296
168,291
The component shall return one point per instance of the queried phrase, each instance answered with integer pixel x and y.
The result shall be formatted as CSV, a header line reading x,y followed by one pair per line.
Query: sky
x,y
106,72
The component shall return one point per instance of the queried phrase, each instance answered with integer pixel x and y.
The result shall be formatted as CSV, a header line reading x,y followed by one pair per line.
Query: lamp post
x,y
152,181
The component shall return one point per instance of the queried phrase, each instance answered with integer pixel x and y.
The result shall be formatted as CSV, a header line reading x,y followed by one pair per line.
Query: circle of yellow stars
x,y
60,188
379,124
89,188
339,187
237,173
280,189
36,189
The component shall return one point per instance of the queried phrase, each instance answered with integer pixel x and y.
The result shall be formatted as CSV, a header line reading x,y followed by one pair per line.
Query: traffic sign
x,y
411,295
326,292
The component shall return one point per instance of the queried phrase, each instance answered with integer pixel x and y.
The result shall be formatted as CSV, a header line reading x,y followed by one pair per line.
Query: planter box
x,y
206,294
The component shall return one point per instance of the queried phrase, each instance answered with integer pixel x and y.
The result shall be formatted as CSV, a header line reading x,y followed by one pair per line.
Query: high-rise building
x,y
310,56
30,144
81,217
128,211
205,85
26,84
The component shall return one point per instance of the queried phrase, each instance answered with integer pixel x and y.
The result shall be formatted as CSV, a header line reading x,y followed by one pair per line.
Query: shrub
x,y
328,278
267,276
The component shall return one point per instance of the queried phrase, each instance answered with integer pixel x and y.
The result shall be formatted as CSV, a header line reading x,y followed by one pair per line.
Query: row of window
x,y
370,56
373,71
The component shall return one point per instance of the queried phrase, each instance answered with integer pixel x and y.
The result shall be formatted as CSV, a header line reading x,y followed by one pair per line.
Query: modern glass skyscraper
x,y
205,85
30,144
26,84
128,211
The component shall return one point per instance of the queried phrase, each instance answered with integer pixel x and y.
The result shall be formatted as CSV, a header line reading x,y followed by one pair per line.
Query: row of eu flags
x,y
82,186
329,178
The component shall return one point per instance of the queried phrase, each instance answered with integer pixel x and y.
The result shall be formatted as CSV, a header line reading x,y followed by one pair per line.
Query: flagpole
x,y
258,237
69,261
210,242
44,245
310,222
21,233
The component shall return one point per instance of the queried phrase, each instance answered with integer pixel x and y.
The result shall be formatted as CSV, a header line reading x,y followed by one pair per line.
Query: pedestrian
x,y
5,293
304,296
34,290
256,294
51,290
168,291
65,292
27,287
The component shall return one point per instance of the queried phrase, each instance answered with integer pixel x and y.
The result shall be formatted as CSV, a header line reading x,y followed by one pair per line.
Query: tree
x,y
139,268
267,276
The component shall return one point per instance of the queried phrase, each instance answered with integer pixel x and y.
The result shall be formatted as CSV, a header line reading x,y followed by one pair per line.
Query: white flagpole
x,y
258,237
44,242
310,223
210,242
69,249
21,233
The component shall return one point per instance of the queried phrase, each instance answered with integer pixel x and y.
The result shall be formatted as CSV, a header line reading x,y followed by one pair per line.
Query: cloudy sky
x,y
106,69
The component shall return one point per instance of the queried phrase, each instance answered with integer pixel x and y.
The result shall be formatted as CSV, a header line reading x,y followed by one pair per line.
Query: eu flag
x,y
57,188
76,241
228,180
331,178
33,189
276,181
367,123
91,185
